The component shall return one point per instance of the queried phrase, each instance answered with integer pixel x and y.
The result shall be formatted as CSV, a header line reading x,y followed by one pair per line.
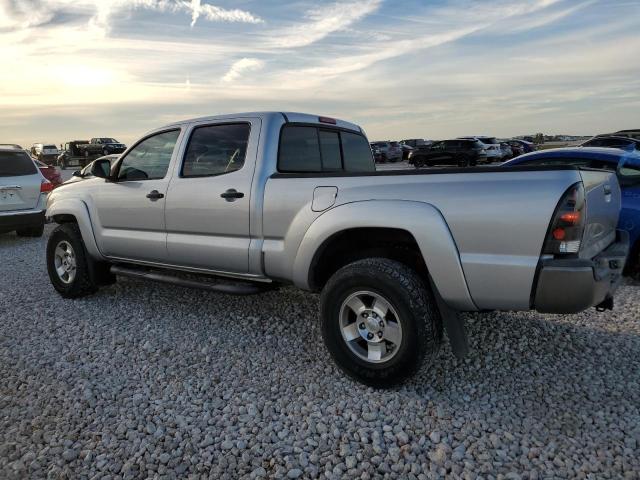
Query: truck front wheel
x,y
379,321
67,262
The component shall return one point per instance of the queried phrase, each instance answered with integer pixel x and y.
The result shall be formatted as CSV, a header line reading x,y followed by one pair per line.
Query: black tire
x,y
36,231
463,162
82,284
419,162
417,313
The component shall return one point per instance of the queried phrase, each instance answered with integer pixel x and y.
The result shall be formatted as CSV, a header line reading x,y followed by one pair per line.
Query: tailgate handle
x,y
10,187
607,189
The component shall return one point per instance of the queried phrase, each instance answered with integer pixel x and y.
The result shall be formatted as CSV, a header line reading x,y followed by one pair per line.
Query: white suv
x,y
45,152
23,193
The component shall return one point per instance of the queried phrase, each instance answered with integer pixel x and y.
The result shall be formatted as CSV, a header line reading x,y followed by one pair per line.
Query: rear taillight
x,y
567,226
46,186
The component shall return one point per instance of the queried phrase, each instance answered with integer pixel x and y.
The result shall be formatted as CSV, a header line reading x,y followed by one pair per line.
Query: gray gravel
x,y
150,381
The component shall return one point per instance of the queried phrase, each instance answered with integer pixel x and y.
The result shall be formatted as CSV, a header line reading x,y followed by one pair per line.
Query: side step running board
x,y
233,288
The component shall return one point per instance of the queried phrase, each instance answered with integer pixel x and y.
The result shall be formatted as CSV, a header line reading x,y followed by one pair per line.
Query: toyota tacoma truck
x,y
245,203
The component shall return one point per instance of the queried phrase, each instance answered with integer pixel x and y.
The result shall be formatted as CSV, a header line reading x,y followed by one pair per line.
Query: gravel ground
x,y
125,384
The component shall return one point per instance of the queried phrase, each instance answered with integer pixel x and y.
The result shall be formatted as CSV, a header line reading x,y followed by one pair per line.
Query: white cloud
x,y
26,13
23,14
217,14
242,66
324,21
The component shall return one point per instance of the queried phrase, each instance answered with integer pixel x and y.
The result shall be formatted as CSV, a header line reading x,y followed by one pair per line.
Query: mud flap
x,y
453,324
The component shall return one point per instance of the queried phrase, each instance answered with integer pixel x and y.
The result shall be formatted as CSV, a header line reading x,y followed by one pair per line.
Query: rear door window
x,y
15,164
216,149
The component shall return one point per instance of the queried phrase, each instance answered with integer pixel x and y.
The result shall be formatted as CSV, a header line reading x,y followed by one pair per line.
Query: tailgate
x,y
19,193
602,194
19,181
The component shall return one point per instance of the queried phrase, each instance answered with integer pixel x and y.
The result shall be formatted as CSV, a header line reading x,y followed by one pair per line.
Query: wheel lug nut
x,y
370,336
361,326
381,324
365,315
380,334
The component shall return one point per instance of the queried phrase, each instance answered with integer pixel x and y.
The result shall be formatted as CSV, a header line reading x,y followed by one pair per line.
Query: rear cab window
x,y
317,149
16,164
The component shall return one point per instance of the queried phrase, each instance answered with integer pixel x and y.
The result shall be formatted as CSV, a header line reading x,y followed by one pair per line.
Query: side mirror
x,y
77,173
101,168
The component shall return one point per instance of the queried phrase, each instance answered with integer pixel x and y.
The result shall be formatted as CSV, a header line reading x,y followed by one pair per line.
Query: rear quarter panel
x,y
498,221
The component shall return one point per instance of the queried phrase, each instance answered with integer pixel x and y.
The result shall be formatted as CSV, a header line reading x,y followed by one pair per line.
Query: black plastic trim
x,y
434,171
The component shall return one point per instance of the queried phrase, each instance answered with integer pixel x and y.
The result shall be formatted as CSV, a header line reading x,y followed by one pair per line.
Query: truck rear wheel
x,y
379,321
67,262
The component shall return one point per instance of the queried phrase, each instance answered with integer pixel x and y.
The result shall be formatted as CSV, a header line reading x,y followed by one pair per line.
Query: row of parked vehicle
x,y
461,151
76,153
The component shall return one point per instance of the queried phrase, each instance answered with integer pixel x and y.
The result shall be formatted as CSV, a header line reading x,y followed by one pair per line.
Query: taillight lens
x,y
567,226
46,186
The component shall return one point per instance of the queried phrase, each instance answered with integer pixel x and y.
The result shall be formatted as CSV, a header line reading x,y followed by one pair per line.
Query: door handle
x,y
155,195
231,194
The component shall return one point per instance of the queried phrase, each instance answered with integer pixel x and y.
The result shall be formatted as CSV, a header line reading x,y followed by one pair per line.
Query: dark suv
x,y
459,152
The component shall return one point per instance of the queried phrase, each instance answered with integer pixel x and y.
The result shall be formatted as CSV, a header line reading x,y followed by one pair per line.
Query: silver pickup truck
x,y
248,202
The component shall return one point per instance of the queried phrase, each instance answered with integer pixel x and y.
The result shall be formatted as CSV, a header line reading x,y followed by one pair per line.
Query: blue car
x,y
627,165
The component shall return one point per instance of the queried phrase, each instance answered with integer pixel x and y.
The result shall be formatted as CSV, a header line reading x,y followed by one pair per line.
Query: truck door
x,y
208,202
129,211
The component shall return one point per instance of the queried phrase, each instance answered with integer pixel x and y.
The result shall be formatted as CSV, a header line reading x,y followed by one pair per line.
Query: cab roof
x,y
289,117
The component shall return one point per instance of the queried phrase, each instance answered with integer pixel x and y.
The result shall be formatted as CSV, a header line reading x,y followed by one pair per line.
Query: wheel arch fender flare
x,y
422,220
72,209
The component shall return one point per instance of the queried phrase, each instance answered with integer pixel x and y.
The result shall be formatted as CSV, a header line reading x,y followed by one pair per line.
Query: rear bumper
x,y
573,285
10,221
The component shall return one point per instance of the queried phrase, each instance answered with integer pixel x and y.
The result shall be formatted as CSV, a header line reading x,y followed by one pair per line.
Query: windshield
x,y
14,164
50,147
107,140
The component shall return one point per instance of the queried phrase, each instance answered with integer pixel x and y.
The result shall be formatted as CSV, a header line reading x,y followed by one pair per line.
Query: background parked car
x,y
406,150
411,144
45,152
415,142
23,192
527,146
459,152
491,146
49,172
507,152
378,157
101,146
390,151
613,141
516,148
632,133
627,165
87,172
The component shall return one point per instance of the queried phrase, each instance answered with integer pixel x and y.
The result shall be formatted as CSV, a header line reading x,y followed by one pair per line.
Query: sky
x,y
75,69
